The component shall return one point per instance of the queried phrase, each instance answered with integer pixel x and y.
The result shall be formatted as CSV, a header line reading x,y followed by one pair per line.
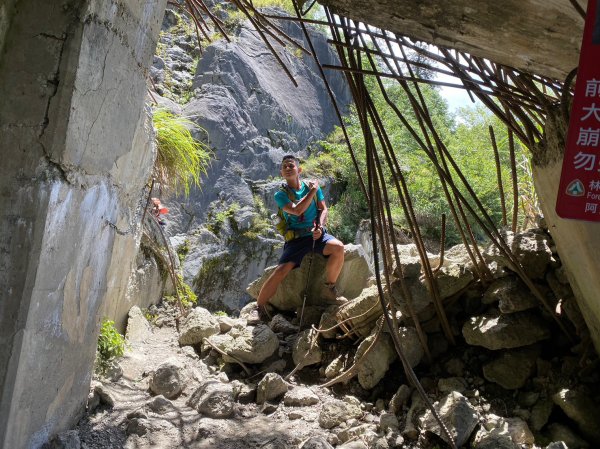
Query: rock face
x,y
75,142
240,99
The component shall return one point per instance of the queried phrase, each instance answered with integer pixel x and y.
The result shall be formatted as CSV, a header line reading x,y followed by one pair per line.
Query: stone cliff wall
x,y
76,155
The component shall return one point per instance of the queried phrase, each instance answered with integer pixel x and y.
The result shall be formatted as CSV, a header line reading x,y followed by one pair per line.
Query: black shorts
x,y
295,250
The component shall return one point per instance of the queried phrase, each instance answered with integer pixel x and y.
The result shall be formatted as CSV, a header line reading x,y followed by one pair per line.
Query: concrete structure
x,y
539,36
76,153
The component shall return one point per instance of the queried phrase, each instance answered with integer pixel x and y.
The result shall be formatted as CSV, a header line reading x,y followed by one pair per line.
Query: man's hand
x,y
317,232
313,184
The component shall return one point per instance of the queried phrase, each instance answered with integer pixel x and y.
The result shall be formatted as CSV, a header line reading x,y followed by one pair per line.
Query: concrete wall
x,y
75,157
539,36
577,242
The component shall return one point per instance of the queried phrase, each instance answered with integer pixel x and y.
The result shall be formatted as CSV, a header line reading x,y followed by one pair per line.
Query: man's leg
x,y
335,250
269,288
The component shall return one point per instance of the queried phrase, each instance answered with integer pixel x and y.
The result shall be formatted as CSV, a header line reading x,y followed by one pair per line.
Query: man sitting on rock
x,y
301,214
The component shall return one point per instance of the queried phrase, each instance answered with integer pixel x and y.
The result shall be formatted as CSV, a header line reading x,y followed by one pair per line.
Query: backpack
x,y
281,223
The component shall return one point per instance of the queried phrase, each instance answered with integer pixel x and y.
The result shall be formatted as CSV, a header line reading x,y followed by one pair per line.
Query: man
x,y
300,212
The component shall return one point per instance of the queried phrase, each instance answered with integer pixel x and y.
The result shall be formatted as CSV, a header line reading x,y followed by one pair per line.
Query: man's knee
x,y
283,270
334,247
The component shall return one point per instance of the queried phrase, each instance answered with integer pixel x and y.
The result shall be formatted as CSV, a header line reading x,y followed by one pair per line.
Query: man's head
x,y
290,166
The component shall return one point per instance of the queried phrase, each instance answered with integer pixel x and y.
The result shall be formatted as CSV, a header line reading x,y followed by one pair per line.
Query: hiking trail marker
x,y
579,189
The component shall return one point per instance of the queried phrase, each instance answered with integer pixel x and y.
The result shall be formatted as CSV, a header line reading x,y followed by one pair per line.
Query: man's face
x,y
289,168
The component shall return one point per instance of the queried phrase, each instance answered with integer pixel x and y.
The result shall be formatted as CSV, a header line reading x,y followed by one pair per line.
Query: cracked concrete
x,y
76,147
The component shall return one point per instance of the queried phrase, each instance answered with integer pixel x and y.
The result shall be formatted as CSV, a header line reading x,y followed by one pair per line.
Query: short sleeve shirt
x,y
306,219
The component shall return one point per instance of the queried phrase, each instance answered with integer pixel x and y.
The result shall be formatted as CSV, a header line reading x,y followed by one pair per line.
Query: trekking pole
x,y
312,256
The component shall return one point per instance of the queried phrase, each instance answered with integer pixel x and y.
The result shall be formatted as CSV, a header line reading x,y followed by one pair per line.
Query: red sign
x,y
579,190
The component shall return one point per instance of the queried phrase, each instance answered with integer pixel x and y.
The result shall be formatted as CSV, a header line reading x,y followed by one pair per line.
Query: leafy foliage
x,y
181,160
466,136
111,344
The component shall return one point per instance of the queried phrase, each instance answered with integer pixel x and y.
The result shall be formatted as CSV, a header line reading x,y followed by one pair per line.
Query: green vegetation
x,y
261,222
111,345
181,159
183,250
186,294
467,138
220,313
215,222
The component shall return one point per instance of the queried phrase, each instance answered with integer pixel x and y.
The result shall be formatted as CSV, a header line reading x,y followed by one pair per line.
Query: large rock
x,y
512,369
360,313
530,248
168,380
376,362
306,349
581,408
336,412
247,344
138,327
213,399
300,397
198,325
498,331
272,386
457,414
511,294
353,278
316,443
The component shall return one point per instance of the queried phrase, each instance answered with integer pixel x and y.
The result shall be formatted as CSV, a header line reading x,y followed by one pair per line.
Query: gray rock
x,y
336,412
280,324
225,323
512,369
498,331
493,439
289,296
198,325
455,367
316,443
530,248
511,294
581,408
167,380
354,445
66,440
374,363
519,432
105,395
448,384
300,397
213,399
138,426
272,386
160,405
336,366
354,431
388,421
360,313
247,344
458,415
138,327
399,398
306,350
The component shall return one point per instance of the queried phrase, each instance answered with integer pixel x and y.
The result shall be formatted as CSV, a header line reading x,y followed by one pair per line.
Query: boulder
x,y
306,350
512,369
511,294
66,440
353,278
300,397
213,399
272,386
335,412
360,313
225,323
138,327
581,408
531,249
280,325
540,413
498,331
198,325
560,432
399,398
252,344
419,296
160,405
376,362
498,438
167,379
449,384
458,415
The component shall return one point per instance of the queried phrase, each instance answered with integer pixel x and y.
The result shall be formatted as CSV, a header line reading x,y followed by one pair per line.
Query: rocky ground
x,y
511,380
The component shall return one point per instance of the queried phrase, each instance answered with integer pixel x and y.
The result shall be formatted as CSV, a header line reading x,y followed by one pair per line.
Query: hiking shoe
x,y
259,315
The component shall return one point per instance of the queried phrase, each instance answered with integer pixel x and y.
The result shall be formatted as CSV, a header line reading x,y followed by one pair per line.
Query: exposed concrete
x,y
75,157
577,242
540,36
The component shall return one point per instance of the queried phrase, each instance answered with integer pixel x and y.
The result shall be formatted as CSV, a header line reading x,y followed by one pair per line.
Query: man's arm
x,y
300,207
323,208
